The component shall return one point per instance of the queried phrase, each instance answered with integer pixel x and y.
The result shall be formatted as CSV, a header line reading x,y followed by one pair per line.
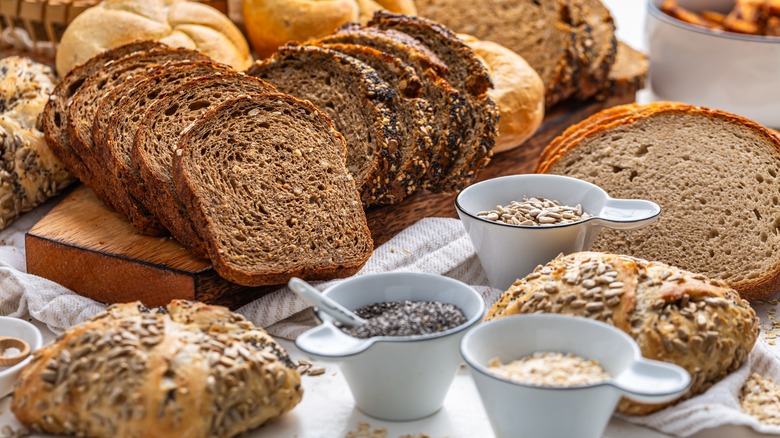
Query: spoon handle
x,y
332,308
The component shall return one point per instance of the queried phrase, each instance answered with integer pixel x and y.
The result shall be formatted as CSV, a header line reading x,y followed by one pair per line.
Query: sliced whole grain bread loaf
x,y
446,102
721,207
536,30
158,136
468,74
264,179
54,119
358,100
120,113
81,114
414,119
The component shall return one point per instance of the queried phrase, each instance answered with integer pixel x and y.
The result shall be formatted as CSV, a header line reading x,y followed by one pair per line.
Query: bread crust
x,y
749,289
674,315
185,370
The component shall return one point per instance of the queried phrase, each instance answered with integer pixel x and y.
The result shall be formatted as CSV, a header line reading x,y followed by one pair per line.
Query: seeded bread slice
x,y
120,113
445,101
603,44
468,74
264,179
628,73
355,97
721,209
54,119
81,114
158,137
414,119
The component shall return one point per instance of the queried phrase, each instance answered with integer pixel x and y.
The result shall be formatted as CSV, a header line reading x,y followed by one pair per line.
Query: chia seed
x,y
405,318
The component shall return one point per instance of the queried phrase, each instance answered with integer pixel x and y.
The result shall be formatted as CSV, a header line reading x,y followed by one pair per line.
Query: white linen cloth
x,y
433,245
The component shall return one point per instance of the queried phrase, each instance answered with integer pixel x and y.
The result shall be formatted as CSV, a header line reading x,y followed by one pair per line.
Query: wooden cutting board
x,y
94,251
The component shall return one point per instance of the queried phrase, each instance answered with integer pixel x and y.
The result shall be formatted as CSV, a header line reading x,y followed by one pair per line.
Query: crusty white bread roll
x,y
517,90
187,370
177,23
272,23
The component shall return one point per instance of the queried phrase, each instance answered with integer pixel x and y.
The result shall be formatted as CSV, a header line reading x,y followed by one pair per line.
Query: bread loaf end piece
x,y
674,315
714,175
264,179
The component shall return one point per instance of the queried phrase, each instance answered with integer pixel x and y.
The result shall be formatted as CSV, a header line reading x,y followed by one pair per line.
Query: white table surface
x,y
327,409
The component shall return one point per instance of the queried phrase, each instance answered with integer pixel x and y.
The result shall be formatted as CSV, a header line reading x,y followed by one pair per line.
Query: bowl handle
x,y
328,342
627,214
652,381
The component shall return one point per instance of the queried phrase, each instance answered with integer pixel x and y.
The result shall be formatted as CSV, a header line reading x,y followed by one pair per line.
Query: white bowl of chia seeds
x,y
521,221
400,366
19,329
562,396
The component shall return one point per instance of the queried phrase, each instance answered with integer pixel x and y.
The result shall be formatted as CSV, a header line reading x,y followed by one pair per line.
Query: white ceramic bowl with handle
x,y
526,410
20,329
724,70
395,378
508,252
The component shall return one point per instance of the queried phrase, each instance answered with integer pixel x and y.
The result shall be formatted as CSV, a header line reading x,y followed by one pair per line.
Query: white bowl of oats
x,y
561,376
521,221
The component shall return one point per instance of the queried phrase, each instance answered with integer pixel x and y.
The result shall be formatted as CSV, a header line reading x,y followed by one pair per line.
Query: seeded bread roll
x,y
188,370
714,174
674,315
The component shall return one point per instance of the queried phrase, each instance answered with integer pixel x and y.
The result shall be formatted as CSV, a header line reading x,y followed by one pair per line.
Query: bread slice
x,y
628,73
714,175
83,109
54,119
264,179
534,29
355,97
603,44
467,74
120,113
414,119
158,137
445,101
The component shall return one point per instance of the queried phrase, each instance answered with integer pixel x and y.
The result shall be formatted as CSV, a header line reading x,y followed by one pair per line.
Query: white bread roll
x,y
517,90
178,23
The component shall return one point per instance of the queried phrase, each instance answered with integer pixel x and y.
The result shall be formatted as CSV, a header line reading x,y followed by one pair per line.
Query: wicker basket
x,y
44,21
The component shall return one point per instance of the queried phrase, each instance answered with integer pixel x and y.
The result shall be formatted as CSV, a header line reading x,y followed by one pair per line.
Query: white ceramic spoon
x,y
312,296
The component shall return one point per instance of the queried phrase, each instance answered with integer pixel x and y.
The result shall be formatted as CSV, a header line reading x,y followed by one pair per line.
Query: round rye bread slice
x,y
264,180
714,175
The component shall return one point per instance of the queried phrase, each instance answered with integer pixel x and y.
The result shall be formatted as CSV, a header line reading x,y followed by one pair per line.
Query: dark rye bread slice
x,y
534,29
354,96
721,210
54,119
81,115
467,74
263,177
414,119
445,101
120,113
158,136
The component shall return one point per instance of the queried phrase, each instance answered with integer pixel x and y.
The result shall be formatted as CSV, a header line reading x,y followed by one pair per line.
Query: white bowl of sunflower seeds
x,y
521,221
